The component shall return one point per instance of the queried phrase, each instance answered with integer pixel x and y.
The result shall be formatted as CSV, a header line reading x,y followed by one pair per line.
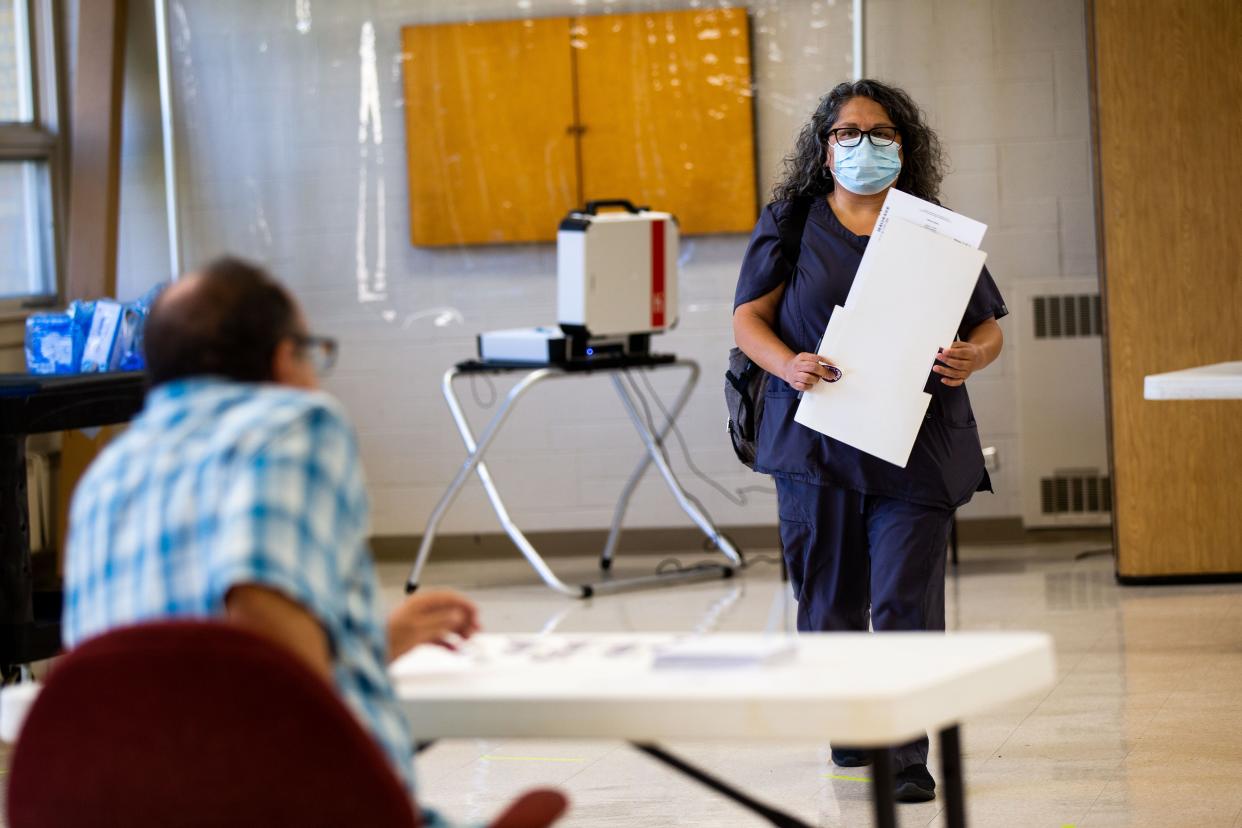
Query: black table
x,y
32,404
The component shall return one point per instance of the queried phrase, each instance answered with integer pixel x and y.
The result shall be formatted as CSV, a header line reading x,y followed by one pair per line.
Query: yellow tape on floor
x,y
847,778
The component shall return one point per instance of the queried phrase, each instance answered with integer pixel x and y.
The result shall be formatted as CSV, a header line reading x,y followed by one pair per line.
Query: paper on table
x,y
712,653
907,299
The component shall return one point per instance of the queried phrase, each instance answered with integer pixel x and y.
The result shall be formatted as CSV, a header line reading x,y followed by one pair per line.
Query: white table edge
x,y
441,715
1219,381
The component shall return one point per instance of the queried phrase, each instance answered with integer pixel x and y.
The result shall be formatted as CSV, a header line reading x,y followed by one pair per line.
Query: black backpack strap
x,y
789,228
745,381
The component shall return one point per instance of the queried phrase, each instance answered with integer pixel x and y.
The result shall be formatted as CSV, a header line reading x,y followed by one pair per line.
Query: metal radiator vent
x,y
1059,317
1069,493
1062,436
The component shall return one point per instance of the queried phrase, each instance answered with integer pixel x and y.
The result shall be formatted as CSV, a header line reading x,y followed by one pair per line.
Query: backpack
x,y
745,381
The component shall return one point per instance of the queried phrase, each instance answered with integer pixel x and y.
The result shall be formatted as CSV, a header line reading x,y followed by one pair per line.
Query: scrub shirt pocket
x,y
778,446
951,405
963,469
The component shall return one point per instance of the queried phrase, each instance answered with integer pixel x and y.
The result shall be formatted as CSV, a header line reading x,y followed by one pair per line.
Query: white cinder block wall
x,y
1005,84
290,156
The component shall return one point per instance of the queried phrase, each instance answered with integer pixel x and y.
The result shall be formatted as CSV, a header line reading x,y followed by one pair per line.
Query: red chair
x,y
202,724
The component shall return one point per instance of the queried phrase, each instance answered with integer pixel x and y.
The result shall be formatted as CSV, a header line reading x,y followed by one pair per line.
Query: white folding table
x,y
653,436
1222,381
867,690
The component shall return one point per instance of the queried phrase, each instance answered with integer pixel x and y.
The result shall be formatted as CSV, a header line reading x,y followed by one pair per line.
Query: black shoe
x,y
851,757
914,784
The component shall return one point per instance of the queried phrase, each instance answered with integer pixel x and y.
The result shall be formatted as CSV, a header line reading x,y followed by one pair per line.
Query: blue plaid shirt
x,y
217,484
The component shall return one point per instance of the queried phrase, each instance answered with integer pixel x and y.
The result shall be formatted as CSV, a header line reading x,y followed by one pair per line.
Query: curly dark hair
x,y
923,161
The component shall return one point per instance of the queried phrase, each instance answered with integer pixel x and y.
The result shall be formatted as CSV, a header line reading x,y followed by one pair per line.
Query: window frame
x,y
43,139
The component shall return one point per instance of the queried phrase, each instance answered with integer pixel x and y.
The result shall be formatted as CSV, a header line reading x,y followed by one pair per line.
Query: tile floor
x,y
1143,727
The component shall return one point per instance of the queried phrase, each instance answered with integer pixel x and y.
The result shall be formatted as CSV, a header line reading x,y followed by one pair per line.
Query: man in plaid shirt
x,y
237,493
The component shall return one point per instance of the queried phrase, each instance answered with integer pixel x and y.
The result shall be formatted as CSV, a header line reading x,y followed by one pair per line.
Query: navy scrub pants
x,y
855,558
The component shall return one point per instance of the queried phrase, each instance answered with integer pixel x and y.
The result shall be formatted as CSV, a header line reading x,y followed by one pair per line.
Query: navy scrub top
x,y
946,464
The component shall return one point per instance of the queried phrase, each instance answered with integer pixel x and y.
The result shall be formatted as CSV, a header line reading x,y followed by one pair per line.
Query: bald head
x,y
226,320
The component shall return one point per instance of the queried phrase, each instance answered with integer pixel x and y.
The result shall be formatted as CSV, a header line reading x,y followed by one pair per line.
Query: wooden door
x,y
1167,92
664,102
489,139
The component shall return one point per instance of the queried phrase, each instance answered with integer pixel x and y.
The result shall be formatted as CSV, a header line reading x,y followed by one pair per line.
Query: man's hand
x,y
957,362
438,617
804,370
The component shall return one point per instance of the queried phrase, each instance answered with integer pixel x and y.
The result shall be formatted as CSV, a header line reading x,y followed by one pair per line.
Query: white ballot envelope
x,y
939,220
907,299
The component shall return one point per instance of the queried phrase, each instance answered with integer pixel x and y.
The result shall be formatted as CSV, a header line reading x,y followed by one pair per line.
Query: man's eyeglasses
x,y
320,350
852,136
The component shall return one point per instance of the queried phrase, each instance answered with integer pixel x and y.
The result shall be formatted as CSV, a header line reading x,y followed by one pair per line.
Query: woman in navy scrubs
x,y
864,540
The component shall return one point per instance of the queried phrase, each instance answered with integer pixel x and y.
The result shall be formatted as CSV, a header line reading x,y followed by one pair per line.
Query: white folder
x,y
906,301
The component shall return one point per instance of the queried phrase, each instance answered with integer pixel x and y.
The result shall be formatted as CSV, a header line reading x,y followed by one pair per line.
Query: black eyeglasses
x,y
320,350
852,136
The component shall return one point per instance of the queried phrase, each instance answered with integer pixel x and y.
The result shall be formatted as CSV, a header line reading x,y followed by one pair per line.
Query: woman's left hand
x,y
957,362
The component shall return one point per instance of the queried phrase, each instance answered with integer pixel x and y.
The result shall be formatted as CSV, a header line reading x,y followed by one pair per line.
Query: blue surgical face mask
x,y
866,169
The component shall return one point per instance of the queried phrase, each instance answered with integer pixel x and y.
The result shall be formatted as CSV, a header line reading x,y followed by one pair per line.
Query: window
x,y
15,85
28,153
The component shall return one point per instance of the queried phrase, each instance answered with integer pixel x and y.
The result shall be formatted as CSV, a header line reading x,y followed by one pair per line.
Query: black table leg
x,y
772,815
882,785
951,770
16,607
953,540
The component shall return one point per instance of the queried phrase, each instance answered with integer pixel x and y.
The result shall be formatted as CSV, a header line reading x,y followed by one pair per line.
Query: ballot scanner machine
x,y
616,284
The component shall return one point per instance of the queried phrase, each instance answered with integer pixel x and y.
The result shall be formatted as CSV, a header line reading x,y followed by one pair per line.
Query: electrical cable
x,y
474,391
737,497
675,564
659,441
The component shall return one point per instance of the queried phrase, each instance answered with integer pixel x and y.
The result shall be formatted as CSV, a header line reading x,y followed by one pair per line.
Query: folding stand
x,y
653,440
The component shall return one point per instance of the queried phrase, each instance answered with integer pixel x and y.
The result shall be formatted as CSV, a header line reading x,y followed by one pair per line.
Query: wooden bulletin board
x,y
511,124
665,102
488,111
1169,172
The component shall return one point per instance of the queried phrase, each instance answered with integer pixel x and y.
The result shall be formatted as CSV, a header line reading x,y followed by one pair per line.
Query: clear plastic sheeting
x,y
371,270
302,8
291,150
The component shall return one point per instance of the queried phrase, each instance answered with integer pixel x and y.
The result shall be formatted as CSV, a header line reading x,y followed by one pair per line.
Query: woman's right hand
x,y
804,370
